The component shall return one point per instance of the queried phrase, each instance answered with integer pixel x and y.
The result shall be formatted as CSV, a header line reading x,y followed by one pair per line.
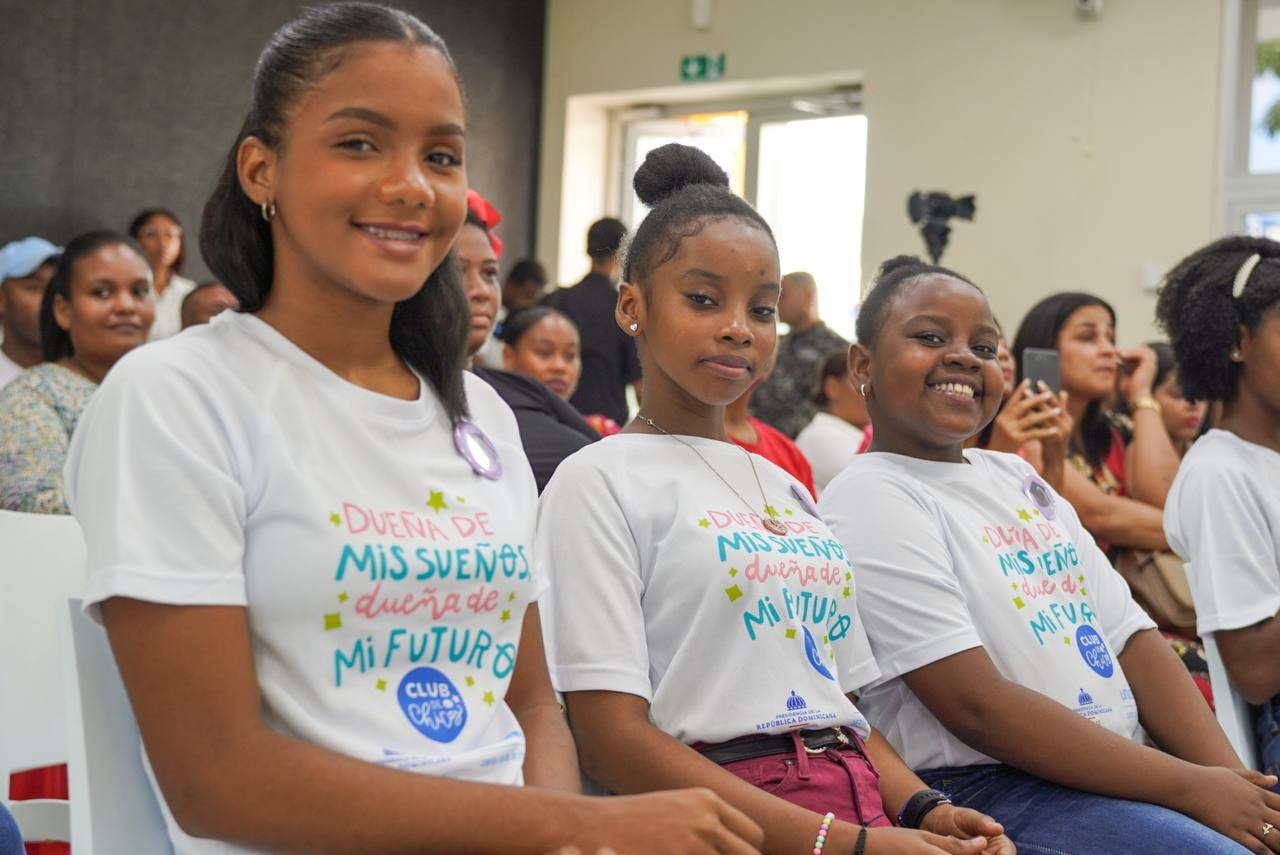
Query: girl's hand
x,y
671,822
1142,377
1235,803
1026,417
952,821
908,841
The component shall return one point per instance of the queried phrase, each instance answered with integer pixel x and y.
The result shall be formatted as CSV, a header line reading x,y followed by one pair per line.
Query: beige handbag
x,y
1159,583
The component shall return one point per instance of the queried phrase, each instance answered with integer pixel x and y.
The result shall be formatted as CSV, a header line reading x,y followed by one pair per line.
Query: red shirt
x,y
774,446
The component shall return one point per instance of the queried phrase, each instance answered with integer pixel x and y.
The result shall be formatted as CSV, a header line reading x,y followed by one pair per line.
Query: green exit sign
x,y
701,68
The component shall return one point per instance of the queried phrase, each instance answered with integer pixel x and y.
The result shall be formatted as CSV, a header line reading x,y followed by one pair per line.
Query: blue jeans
x,y
1046,819
10,838
1266,723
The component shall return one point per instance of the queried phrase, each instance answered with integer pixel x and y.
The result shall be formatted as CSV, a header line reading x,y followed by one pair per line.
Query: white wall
x,y
1090,143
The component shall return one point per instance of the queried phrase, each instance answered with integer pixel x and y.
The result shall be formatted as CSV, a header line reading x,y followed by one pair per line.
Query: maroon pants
x,y
840,780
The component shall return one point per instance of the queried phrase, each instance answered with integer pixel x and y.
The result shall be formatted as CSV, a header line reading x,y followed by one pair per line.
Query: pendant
x,y
774,525
477,449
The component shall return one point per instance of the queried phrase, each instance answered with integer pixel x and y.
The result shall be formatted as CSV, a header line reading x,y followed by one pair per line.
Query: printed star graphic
x,y
511,598
1017,601
846,591
771,510
343,597
506,615
734,593
335,519
436,501
733,571
1023,515
471,681
791,633
848,577
460,500
382,685
1066,639
489,698
704,522
333,620
787,511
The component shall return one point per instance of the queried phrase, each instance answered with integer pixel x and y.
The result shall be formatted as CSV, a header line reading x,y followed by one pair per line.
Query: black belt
x,y
815,742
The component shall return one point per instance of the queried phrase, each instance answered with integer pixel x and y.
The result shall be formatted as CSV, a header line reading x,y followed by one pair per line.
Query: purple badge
x,y
477,450
1041,495
805,500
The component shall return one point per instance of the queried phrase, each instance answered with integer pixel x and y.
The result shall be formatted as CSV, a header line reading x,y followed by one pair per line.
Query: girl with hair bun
x,y
1015,666
1221,308
310,531
701,622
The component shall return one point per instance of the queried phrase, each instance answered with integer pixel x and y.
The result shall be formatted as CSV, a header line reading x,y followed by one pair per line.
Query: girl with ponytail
x,y
310,532
701,621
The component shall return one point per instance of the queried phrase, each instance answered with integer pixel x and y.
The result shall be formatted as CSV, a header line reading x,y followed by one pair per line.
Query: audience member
x,y
680,667
289,497
832,438
542,343
1035,424
1001,631
609,362
26,266
1221,308
784,399
1116,484
1183,418
489,352
550,429
206,302
525,286
759,438
96,309
161,236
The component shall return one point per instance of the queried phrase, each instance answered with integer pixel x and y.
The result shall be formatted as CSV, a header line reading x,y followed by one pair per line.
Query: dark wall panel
x,y
110,106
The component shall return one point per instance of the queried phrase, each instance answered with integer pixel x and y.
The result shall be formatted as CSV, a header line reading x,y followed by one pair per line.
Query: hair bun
x,y
672,167
898,262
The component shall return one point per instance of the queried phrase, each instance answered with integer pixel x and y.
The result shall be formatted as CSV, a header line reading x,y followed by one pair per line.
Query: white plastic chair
x,y
1234,716
113,808
41,565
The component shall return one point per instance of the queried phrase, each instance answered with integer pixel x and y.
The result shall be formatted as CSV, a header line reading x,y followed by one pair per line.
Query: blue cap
x,y
21,257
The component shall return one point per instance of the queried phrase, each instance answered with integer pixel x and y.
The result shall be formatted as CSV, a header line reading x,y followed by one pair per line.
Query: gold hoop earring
x,y
268,211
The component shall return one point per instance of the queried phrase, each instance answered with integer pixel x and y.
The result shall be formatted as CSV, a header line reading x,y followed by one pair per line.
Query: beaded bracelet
x,y
822,833
861,845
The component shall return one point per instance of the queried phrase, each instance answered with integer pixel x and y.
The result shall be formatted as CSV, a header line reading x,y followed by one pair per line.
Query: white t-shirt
x,y
829,442
952,556
664,585
385,581
9,370
168,320
1223,518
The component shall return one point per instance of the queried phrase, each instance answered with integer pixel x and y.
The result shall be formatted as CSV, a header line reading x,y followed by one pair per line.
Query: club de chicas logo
x,y
432,704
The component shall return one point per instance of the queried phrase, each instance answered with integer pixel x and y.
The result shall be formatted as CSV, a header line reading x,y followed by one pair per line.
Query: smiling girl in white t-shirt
x,y
1221,307
701,620
309,532
1015,666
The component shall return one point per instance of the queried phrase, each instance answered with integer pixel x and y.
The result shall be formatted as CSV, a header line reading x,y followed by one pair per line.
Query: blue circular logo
x,y
432,704
1093,650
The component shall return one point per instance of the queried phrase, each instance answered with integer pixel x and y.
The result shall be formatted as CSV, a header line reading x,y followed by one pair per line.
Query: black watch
x,y
919,805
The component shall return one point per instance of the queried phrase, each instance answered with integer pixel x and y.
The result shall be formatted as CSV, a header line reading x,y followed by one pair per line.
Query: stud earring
x,y
1236,355
268,211
634,326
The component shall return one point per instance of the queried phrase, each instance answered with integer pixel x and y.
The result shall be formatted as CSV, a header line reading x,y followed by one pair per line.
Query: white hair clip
x,y
1242,275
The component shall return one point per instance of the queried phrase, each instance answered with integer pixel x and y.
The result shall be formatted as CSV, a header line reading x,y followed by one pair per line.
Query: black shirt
x,y
550,429
609,359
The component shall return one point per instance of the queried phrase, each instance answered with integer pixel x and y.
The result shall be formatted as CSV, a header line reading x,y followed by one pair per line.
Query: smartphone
x,y
1042,366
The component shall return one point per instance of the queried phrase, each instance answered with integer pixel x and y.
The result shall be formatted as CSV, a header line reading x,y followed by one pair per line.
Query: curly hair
x,y
1203,318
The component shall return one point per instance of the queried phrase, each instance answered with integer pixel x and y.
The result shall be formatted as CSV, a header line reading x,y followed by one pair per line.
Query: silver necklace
x,y
768,516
